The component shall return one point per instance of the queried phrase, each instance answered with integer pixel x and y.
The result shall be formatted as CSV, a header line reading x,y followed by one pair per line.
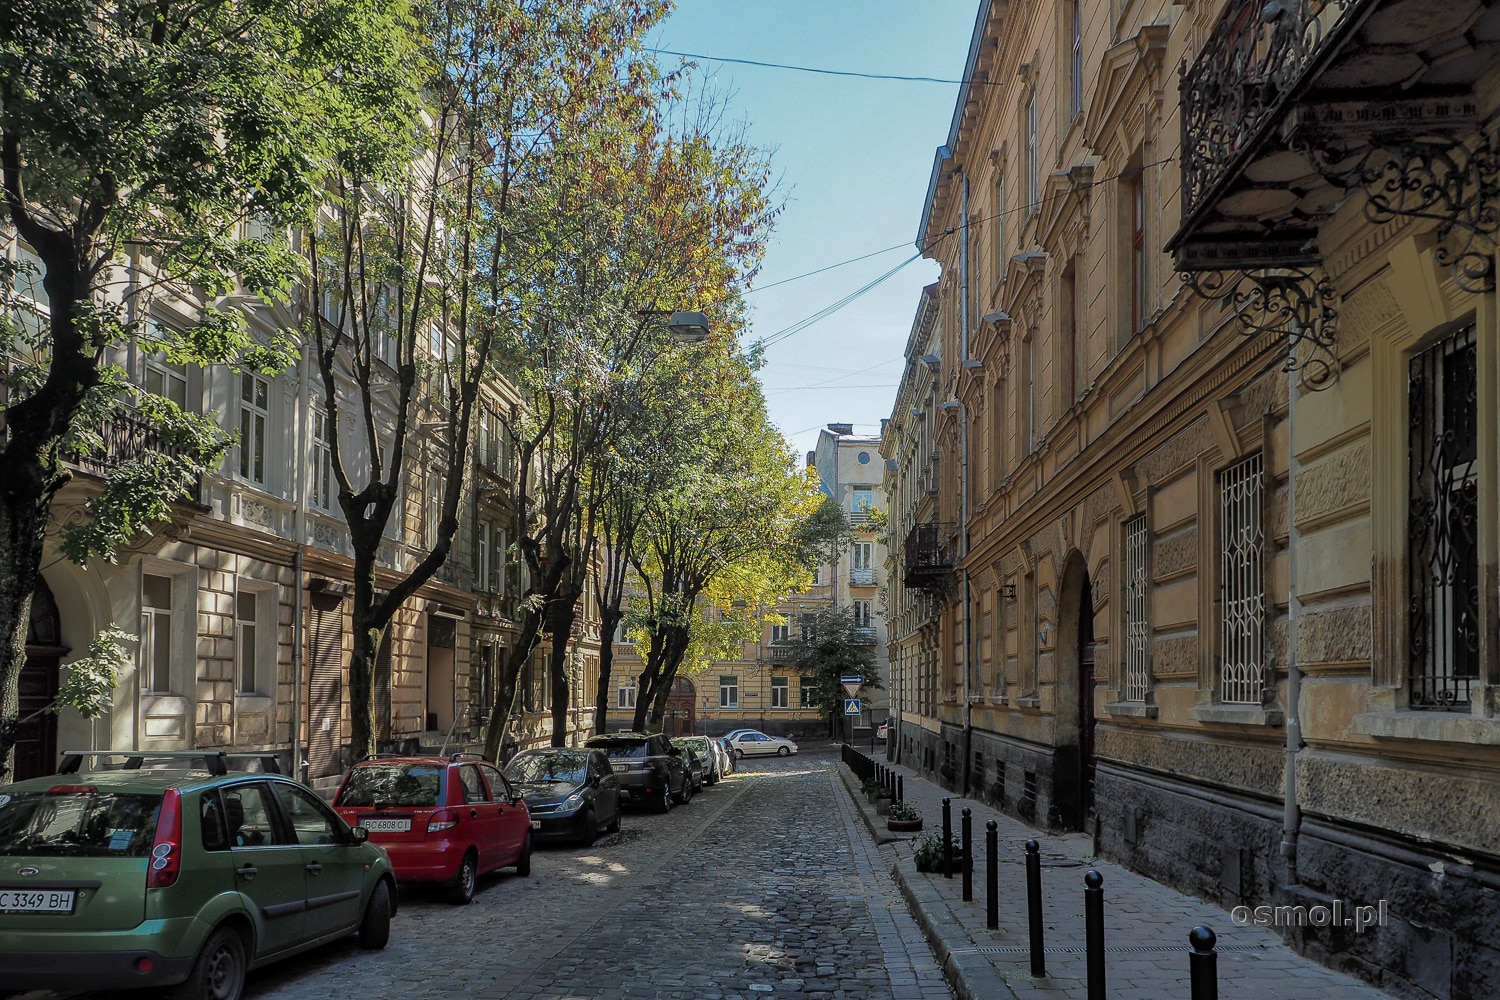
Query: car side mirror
x,y
594,781
359,834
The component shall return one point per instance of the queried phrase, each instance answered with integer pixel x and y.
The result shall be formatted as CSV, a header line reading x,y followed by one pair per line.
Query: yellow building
x,y
1236,621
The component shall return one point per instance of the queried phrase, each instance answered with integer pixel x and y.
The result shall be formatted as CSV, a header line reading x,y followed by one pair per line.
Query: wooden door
x,y
325,686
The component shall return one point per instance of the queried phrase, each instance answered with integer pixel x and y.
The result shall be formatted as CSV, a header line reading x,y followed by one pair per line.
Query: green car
x,y
137,877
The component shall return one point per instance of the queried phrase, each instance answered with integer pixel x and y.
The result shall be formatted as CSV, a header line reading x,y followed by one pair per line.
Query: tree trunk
x,y
510,672
609,624
23,523
565,612
367,636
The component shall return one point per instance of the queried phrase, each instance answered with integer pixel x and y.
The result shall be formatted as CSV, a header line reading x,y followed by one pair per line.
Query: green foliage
x,y
829,645
929,851
904,811
825,534
88,683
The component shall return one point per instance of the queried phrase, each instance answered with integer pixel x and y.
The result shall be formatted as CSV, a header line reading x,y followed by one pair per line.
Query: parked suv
x,y
442,819
648,766
183,877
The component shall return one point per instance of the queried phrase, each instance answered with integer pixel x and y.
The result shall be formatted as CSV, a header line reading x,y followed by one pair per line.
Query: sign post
x,y
852,683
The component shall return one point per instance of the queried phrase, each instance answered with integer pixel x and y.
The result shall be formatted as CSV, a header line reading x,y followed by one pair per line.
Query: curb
x,y
967,971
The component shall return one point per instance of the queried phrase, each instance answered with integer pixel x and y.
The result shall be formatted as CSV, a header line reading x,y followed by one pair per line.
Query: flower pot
x,y
904,825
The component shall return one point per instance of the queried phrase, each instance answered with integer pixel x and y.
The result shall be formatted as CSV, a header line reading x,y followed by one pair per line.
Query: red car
x,y
441,820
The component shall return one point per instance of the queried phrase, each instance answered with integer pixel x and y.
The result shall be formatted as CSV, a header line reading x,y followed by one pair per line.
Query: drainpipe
x,y
304,423
1291,822
963,471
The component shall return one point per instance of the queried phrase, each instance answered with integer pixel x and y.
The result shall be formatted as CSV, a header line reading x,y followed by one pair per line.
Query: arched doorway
x,y
1073,779
36,739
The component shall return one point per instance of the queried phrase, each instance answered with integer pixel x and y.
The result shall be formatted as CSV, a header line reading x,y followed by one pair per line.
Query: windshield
x,y
79,822
384,786
621,749
569,767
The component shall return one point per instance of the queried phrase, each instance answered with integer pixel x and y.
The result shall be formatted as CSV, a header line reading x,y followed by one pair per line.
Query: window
x,y
490,440
255,400
1137,194
1068,341
322,470
1028,412
1075,31
863,555
1033,161
780,693
863,611
781,633
247,641
312,823
862,498
729,691
482,683
248,810
492,555
817,580
156,633
809,693
164,378
1443,565
622,634
1137,667
625,694
1240,582
474,790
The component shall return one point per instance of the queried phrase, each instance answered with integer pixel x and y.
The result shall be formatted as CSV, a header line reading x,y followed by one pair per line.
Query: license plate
x,y
36,901
536,824
386,825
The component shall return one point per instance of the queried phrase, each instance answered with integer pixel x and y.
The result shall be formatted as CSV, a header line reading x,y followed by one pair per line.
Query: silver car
x,y
713,763
751,743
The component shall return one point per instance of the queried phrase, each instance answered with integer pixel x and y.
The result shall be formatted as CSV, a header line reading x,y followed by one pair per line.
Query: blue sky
x,y
853,157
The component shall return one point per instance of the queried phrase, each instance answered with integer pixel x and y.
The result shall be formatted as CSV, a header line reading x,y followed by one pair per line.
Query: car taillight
x,y
443,819
166,851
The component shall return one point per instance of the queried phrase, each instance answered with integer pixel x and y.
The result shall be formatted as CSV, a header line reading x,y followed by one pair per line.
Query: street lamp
x,y
688,327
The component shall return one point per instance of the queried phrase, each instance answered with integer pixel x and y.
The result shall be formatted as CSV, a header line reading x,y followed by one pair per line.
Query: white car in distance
x,y
750,743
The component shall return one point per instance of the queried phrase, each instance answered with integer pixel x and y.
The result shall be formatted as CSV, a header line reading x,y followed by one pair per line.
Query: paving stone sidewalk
x,y
1145,923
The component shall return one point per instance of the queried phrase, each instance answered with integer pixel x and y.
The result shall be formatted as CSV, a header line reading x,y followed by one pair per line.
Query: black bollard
x,y
1093,923
992,875
900,788
1034,906
947,838
966,826
1203,963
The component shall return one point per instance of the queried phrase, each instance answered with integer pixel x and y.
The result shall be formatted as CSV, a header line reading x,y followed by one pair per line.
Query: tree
x,y
829,646
135,140
666,212
737,496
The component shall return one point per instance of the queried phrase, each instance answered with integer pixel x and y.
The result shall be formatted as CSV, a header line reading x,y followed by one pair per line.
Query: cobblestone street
x,y
764,885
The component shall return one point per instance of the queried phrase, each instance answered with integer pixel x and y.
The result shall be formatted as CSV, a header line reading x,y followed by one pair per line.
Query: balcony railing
x,y
862,578
930,552
782,654
126,437
1238,89
865,636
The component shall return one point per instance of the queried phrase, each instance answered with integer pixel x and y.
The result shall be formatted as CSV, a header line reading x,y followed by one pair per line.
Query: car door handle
x,y
315,869
473,813
247,872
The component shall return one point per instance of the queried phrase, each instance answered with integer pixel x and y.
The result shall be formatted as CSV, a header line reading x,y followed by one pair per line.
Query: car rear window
x,y
384,786
78,821
622,749
547,767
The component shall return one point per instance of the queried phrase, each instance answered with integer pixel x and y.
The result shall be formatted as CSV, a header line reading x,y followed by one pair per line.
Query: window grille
x,y
1240,582
1137,668
1443,564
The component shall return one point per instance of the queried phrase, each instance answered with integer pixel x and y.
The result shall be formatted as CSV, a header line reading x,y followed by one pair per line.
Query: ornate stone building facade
x,y
1211,382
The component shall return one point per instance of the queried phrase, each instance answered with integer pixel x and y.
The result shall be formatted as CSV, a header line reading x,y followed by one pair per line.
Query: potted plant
x,y
929,852
873,789
903,818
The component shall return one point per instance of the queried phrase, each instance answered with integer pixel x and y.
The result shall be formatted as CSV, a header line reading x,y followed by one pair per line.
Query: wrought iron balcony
x,y
1291,104
862,578
865,636
930,555
125,437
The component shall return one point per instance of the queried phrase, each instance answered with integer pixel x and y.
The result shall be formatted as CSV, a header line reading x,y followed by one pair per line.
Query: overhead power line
x,y
809,69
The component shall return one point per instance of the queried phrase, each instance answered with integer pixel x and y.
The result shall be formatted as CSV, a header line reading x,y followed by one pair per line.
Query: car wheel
x,y
686,795
614,824
739,754
461,891
665,805
375,928
523,866
783,751
218,971
588,828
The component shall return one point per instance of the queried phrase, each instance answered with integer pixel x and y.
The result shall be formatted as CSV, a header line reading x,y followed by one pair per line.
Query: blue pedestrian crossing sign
x,y
851,706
